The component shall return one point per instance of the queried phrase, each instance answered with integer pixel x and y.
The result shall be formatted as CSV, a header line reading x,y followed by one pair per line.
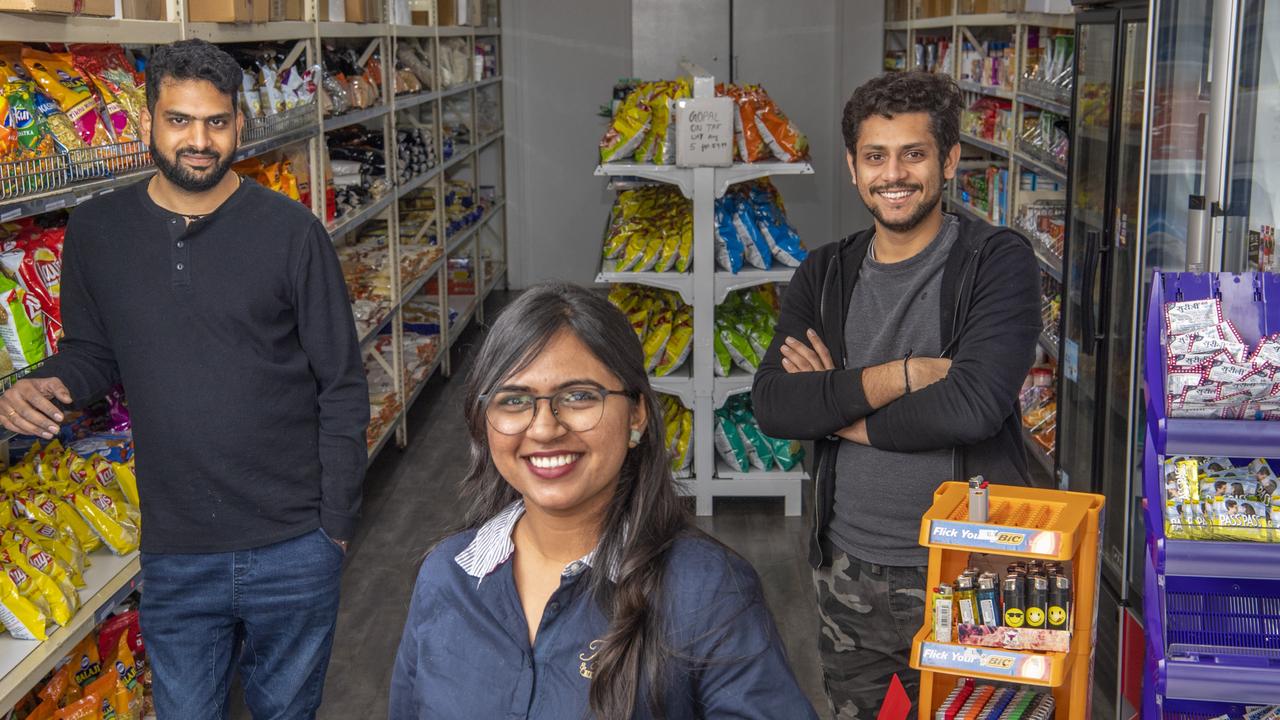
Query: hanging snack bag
x,y
65,135
627,129
86,661
129,693
88,707
104,688
22,328
759,453
62,83
786,142
729,443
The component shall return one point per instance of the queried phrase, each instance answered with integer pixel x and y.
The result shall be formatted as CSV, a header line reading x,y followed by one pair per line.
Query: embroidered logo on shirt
x,y
588,665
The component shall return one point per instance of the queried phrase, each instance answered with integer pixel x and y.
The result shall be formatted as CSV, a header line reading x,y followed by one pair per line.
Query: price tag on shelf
x,y
1026,667
994,538
704,132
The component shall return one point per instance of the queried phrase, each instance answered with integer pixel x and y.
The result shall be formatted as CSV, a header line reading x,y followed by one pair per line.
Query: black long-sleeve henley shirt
x,y
235,343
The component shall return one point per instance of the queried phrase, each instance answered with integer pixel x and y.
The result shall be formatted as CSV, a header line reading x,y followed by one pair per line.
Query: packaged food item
x,y
783,139
63,546
121,629
751,146
29,129
683,454
22,328
729,250
738,346
680,343
62,602
759,452
88,707
44,508
43,711
65,86
67,576
729,445
128,482
627,129
720,354
756,250
113,522
21,617
86,661
655,340
129,693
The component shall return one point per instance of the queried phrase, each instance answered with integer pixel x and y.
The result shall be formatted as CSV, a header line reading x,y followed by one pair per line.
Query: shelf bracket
x,y
368,53
383,362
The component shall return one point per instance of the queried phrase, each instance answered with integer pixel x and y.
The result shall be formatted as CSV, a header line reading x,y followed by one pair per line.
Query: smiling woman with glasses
x,y
579,587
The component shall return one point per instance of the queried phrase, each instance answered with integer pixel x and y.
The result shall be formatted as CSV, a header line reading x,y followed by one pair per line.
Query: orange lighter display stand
x,y
1021,523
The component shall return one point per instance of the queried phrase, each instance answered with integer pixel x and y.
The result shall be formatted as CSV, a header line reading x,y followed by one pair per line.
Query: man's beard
x,y
917,216
179,175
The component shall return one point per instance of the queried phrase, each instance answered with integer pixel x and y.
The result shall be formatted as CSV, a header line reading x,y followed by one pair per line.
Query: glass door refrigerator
x,y
1099,392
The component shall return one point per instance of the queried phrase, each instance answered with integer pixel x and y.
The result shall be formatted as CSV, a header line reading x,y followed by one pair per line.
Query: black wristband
x,y
906,375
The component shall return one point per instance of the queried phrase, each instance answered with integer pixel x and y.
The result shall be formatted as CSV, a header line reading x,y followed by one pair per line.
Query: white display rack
x,y
706,287
110,579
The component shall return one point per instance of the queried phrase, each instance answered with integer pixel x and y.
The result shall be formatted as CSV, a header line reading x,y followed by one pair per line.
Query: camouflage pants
x,y
869,615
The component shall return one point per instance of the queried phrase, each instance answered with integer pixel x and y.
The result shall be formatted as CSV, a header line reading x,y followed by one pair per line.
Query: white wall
x,y
861,58
561,60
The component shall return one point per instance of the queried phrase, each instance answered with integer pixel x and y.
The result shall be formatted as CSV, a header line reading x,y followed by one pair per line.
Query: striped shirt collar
x,y
493,546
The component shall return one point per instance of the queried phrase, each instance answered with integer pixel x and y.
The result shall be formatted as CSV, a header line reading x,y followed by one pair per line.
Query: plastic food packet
x,y
653,95
86,661
684,445
759,452
28,125
65,86
122,628
729,443
655,341
786,453
684,255
62,602
110,520
739,347
756,249
67,576
65,547
679,345
62,688
55,511
22,326
128,482
104,688
88,707
670,246
751,146
21,617
784,140
129,694
728,246
627,129
43,711
117,121
720,353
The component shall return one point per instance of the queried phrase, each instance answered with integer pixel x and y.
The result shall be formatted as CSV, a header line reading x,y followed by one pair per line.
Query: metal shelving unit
x,y
705,287
1011,154
111,579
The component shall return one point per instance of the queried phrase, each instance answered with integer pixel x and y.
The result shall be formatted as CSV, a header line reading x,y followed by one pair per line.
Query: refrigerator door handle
x,y
1089,324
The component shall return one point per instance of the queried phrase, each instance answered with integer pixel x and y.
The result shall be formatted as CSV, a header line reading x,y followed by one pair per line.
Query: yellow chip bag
x,y
679,345
129,690
22,617
61,608
65,547
128,482
46,562
627,129
50,510
109,519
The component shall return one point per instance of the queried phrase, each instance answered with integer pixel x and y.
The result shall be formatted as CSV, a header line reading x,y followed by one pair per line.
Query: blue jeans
x,y
270,611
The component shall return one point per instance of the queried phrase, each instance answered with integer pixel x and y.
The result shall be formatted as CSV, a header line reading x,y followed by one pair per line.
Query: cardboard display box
x,y
364,11
98,8
142,9
228,10
282,10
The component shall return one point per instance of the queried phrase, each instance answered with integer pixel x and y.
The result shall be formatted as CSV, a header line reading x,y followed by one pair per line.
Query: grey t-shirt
x,y
881,495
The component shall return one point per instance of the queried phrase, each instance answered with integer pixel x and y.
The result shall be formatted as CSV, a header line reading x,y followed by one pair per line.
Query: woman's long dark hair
x,y
645,515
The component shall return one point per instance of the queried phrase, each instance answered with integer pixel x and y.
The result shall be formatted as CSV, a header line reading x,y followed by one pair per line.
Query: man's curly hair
x,y
896,93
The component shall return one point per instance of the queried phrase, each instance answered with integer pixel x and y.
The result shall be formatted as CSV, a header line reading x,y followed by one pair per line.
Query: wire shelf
x,y
261,128
33,176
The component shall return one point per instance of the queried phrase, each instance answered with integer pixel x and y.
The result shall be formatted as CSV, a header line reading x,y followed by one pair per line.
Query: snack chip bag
x,y
655,341
88,707
65,86
43,711
130,691
750,146
62,689
61,605
111,521
86,662
679,345
729,445
759,452
54,511
739,347
627,129
729,251
756,250
128,482
22,617
22,328
720,353
786,142
786,453
67,576
121,628
684,444
29,129
104,688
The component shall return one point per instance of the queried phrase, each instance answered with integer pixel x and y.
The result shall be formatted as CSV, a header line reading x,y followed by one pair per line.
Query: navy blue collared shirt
x,y
465,653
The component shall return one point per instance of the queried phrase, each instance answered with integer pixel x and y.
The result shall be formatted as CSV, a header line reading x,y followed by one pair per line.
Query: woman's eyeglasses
x,y
577,409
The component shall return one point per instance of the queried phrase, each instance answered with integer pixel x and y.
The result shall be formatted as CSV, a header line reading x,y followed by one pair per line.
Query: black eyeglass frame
x,y
604,392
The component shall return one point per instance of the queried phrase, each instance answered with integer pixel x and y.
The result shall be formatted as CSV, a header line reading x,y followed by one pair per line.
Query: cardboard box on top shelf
x,y
364,11
142,9
933,8
220,10
895,10
97,8
284,10
331,10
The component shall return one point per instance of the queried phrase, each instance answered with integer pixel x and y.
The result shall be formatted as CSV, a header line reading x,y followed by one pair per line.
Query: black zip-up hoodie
x,y
990,319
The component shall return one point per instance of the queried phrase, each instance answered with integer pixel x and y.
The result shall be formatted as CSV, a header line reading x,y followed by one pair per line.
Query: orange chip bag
x,y
67,87
129,691
43,711
105,689
85,663
56,689
787,143
751,147
88,707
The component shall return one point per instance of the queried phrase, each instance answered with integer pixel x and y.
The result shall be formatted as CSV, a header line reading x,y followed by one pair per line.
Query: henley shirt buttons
x,y
181,244
179,266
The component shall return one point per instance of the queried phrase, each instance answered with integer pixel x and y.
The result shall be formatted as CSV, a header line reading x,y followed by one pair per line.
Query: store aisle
x,y
411,500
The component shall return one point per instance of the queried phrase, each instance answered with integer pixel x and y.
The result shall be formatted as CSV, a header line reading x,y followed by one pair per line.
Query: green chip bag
x,y
22,328
723,360
759,452
729,443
